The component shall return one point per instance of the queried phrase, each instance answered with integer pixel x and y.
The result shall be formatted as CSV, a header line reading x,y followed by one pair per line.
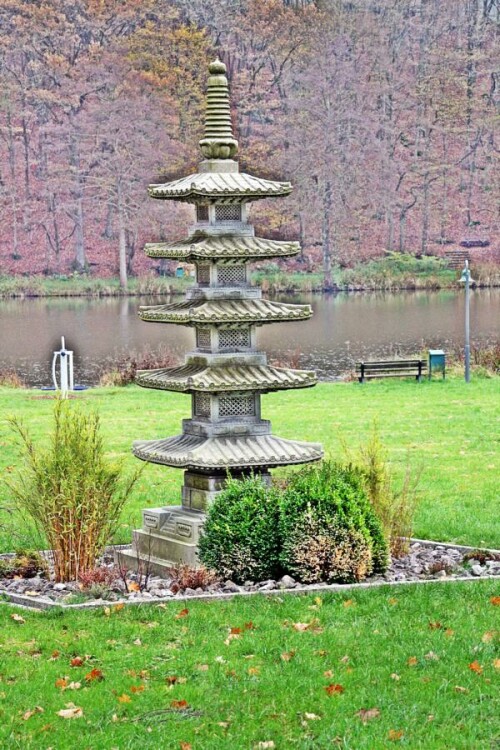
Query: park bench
x,y
396,368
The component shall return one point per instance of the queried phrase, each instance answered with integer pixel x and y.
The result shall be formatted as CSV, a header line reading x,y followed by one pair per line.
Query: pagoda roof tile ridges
x,y
211,453
221,246
194,312
195,377
219,184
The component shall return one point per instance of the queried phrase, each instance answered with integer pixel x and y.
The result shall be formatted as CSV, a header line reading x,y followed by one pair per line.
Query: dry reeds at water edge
x,y
69,490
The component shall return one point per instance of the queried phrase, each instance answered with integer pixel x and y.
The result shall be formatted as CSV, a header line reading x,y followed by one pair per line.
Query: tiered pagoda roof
x,y
225,374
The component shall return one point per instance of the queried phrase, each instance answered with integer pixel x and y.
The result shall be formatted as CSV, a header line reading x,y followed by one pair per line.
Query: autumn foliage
x,y
383,115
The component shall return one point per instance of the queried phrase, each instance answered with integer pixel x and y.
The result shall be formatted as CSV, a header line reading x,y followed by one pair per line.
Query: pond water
x,y
344,329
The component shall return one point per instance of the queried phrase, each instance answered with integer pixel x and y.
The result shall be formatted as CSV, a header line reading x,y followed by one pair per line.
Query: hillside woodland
x,y
383,113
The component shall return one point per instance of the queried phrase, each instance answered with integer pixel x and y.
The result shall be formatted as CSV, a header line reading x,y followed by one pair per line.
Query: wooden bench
x,y
397,368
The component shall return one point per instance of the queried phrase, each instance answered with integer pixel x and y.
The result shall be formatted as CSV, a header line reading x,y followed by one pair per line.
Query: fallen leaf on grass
x,y
495,600
124,698
17,618
137,688
61,683
311,717
55,655
328,673
70,712
449,632
300,626
435,626
489,636
496,663
265,745
412,661
395,676
235,631
137,642
73,686
287,655
254,670
460,689
76,662
249,626
395,734
334,689
431,656
182,613
393,601
348,603
476,667
185,746
223,724
28,714
345,659
202,667
179,705
367,714
94,676
312,626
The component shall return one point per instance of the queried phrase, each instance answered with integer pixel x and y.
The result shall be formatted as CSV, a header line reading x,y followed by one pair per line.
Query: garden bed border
x,y
28,602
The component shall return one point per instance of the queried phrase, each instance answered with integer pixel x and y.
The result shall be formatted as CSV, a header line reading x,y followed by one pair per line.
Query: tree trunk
x,y
122,240
325,237
77,193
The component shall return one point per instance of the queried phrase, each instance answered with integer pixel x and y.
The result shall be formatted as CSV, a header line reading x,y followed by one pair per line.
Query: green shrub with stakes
x,y
72,493
240,536
328,530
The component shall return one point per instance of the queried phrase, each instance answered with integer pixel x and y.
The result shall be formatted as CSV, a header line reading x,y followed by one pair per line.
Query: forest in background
x,y
383,113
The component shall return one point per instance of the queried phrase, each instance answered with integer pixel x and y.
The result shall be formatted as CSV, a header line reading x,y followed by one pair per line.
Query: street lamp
x,y
467,280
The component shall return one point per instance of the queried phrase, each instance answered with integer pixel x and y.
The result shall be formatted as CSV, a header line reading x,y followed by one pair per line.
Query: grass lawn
x,y
170,681
448,429
420,660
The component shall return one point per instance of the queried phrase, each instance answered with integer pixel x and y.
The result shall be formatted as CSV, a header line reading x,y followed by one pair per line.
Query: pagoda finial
x,y
218,141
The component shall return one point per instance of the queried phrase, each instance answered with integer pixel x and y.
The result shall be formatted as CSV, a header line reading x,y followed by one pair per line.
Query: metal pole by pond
x,y
466,278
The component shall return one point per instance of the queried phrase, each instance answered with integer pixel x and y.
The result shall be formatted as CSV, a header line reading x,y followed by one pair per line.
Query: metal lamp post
x,y
467,280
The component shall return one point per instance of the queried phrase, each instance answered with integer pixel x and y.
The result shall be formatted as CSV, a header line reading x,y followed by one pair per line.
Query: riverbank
x,y
444,429
394,273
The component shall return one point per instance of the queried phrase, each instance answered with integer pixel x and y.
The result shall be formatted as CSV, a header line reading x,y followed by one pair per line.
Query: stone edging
x,y
28,602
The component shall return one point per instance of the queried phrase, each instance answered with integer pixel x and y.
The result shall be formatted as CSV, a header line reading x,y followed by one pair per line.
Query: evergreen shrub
x,y
240,538
328,529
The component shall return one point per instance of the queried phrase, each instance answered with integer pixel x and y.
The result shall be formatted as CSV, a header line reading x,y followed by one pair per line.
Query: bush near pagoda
x,y
328,529
70,491
321,527
240,538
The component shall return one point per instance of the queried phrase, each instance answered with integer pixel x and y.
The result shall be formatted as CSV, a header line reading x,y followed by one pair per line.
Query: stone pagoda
x,y
225,374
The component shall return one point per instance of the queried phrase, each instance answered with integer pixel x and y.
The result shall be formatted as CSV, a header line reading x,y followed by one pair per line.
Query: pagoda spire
x,y
218,141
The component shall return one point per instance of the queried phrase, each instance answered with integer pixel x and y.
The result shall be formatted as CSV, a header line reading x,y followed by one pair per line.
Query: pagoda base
x,y
169,535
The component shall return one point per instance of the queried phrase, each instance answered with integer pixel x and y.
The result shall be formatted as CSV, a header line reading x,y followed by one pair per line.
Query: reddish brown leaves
x,y
395,734
476,667
495,600
182,613
94,676
334,689
76,662
179,705
287,655
412,661
137,688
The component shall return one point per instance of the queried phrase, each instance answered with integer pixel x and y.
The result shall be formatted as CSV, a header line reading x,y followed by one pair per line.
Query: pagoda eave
x,y
222,247
226,311
200,453
191,378
206,186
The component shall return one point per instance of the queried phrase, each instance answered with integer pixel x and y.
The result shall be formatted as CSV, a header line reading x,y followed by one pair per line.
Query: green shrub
x,y
69,489
395,508
240,536
326,551
328,502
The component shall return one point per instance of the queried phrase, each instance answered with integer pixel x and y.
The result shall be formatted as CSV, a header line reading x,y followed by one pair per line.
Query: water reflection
x,y
344,328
